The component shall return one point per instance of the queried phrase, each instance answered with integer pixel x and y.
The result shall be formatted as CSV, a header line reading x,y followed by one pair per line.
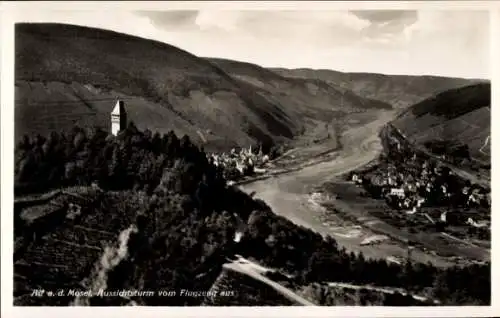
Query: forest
x,y
186,218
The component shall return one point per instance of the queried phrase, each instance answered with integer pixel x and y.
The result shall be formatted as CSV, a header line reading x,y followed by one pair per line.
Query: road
x,y
385,290
255,271
288,194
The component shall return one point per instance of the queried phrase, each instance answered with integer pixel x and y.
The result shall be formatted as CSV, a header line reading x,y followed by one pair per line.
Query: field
x,y
58,106
62,257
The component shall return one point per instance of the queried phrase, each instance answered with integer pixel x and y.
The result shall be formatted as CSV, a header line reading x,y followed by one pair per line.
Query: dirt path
x,y
385,290
255,271
288,194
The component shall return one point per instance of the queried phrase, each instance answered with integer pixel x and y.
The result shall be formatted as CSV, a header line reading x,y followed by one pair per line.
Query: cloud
x,y
453,41
280,25
386,26
170,19
223,20
384,16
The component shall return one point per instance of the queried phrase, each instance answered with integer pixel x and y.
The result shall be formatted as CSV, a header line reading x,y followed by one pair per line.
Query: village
x,y
413,184
237,165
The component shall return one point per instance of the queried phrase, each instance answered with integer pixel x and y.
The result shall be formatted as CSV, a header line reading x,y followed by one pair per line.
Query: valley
x,y
289,194
226,175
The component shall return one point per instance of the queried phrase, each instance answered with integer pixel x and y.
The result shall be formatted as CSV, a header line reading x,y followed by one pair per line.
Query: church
x,y
118,118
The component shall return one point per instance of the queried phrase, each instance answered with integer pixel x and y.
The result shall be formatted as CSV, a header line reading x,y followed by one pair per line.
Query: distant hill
x,y
460,115
314,92
314,100
71,75
400,91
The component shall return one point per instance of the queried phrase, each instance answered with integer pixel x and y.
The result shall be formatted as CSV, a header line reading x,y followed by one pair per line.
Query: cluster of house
x,y
238,164
403,189
417,183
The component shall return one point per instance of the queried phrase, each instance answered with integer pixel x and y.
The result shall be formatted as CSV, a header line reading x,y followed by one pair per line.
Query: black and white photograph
x,y
237,157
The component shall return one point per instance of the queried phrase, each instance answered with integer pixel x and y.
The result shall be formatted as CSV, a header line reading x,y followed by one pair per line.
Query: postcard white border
x,y
9,9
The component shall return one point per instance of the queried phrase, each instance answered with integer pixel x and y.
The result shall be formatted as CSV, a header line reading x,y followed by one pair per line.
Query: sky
x,y
416,42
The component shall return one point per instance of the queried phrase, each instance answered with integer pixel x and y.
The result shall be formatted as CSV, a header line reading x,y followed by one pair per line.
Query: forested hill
x,y
166,220
458,117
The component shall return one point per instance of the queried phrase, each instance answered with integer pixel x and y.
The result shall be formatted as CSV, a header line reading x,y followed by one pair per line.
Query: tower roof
x,y
119,108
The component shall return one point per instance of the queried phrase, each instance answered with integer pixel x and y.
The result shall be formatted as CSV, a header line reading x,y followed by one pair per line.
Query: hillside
x,y
327,110
457,116
67,75
146,213
400,91
318,93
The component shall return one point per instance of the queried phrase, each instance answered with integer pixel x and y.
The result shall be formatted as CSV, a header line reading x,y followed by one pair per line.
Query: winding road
x,y
255,271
